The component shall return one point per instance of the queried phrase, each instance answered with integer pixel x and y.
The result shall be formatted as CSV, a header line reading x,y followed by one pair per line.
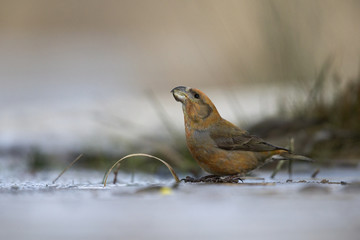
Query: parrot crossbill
x,y
218,146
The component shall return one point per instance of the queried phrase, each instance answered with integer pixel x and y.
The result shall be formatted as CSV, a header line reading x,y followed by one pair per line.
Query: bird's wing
x,y
233,138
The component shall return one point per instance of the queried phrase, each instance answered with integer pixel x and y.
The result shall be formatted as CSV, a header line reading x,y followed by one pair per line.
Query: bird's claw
x,y
214,179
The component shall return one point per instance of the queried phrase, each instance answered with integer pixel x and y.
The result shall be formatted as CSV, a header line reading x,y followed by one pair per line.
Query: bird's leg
x,y
235,178
188,179
207,178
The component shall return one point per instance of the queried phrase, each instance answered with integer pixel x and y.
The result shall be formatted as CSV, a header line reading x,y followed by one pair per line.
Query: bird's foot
x,y
214,179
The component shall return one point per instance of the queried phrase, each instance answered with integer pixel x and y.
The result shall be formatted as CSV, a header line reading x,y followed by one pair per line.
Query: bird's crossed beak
x,y
180,93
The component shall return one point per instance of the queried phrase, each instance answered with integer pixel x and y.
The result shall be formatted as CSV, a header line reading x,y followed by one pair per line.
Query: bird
x,y
218,146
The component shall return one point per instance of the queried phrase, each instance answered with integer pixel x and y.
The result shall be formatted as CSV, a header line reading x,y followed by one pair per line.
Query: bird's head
x,y
197,107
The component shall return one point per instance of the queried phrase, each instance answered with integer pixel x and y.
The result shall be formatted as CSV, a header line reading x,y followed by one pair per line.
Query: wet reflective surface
x,y
78,206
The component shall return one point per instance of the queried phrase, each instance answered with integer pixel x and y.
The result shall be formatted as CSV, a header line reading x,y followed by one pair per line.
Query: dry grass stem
x,y
143,155
67,168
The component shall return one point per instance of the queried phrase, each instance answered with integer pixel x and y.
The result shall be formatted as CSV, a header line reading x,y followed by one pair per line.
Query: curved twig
x,y
143,155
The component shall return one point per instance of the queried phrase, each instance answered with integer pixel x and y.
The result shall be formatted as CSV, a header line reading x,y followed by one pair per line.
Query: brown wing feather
x,y
233,138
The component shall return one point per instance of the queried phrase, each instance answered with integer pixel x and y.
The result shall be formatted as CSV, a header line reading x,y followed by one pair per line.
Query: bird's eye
x,y
196,95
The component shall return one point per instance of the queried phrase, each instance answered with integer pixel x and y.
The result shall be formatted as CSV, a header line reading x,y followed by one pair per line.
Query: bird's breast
x,y
200,144
199,138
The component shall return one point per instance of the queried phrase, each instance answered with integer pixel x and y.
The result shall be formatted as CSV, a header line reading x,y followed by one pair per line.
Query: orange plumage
x,y
220,147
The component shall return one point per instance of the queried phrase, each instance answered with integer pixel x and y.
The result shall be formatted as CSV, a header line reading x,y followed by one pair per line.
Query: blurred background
x,y
94,77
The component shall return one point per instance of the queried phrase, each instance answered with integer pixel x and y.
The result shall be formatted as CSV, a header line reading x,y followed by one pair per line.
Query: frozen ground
x,y
79,207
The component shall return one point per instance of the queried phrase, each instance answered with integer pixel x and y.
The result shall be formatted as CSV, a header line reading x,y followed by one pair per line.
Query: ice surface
x,y
79,207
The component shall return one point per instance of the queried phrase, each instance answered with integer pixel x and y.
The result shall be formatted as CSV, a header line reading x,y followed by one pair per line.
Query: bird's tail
x,y
291,156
